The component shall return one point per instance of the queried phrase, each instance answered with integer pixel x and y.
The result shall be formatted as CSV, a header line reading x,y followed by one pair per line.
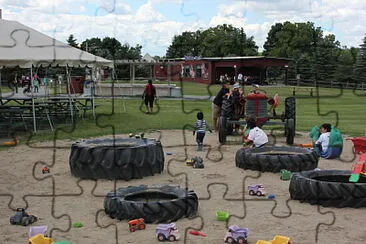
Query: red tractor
x,y
261,107
136,224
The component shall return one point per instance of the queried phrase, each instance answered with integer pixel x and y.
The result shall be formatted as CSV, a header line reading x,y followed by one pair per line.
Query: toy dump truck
x,y
40,239
276,240
235,234
167,232
22,218
136,224
257,189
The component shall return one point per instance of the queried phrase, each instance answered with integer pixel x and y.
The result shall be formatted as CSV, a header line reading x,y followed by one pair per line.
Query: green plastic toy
x,y
222,215
285,174
77,225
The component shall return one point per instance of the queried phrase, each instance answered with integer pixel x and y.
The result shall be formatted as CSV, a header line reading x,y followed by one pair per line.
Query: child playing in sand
x,y
257,137
200,126
321,145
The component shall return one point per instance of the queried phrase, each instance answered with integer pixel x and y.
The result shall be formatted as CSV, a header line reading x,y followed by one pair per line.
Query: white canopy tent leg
x,y
33,106
68,78
1,91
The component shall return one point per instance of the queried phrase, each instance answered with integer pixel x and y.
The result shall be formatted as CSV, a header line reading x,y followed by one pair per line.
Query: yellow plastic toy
x,y
276,240
40,239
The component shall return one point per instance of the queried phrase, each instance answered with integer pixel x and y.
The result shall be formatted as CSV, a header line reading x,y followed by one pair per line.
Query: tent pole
x,y
33,107
68,91
1,91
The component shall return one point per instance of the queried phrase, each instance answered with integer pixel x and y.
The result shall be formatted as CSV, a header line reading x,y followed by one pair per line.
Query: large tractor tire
x,y
124,159
290,113
329,188
156,204
290,131
273,159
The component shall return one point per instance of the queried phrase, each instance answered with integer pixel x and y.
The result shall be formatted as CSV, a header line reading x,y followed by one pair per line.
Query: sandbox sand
x,y
220,186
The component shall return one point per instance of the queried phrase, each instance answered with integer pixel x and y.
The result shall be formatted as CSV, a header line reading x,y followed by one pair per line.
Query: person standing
x,y
217,102
149,96
200,127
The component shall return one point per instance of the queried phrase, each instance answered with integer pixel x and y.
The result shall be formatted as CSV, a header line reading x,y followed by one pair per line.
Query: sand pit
x,y
219,186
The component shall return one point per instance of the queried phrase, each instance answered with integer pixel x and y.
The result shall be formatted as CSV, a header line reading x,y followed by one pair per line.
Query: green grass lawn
x,y
344,109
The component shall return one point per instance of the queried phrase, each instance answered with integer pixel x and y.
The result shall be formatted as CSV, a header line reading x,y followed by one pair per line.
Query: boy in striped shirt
x,y
200,127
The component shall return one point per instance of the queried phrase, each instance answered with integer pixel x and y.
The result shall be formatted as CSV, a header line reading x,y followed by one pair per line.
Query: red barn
x,y
208,70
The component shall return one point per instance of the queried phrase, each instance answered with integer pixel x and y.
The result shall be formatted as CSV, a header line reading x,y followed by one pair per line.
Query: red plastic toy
x,y
136,224
45,170
196,233
359,144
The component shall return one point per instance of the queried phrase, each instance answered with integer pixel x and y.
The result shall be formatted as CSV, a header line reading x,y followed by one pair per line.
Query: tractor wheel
x,y
132,229
12,221
290,108
222,129
142,226
274,159
124,159
25,221
259,193
156,204
329,188
290,131
33,218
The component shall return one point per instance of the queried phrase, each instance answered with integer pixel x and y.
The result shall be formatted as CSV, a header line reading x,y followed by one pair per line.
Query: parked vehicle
x,y
22,218
257,189
136,224
261,107
167,232
235,234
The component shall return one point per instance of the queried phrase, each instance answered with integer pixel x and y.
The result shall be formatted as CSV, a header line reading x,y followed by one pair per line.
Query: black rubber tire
x,y
222,129
265,159
290,131
124,159
329,188
120,205
290,108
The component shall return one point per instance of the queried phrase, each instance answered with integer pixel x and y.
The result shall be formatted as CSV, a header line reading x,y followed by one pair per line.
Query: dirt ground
x,y
220,186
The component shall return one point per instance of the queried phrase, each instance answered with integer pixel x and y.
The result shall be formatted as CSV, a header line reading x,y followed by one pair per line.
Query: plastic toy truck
x,y
22,218
136,224
45,170
167,232
358,169
276,240
257,189
40,239
235,234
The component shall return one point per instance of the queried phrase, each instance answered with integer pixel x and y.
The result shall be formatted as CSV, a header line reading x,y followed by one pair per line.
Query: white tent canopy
x,y
25,47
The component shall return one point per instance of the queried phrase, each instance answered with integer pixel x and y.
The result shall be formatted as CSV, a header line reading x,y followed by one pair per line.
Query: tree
x,y
72,41
359,72
315,55
219,41
346,60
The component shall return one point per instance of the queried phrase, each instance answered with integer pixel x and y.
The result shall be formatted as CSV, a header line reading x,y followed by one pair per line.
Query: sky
x,y
153,23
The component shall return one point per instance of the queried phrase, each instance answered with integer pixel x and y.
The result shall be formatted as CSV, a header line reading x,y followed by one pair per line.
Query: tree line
x,y
315,55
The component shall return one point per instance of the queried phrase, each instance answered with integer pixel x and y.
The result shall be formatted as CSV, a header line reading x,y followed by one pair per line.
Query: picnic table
x,y
309,89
